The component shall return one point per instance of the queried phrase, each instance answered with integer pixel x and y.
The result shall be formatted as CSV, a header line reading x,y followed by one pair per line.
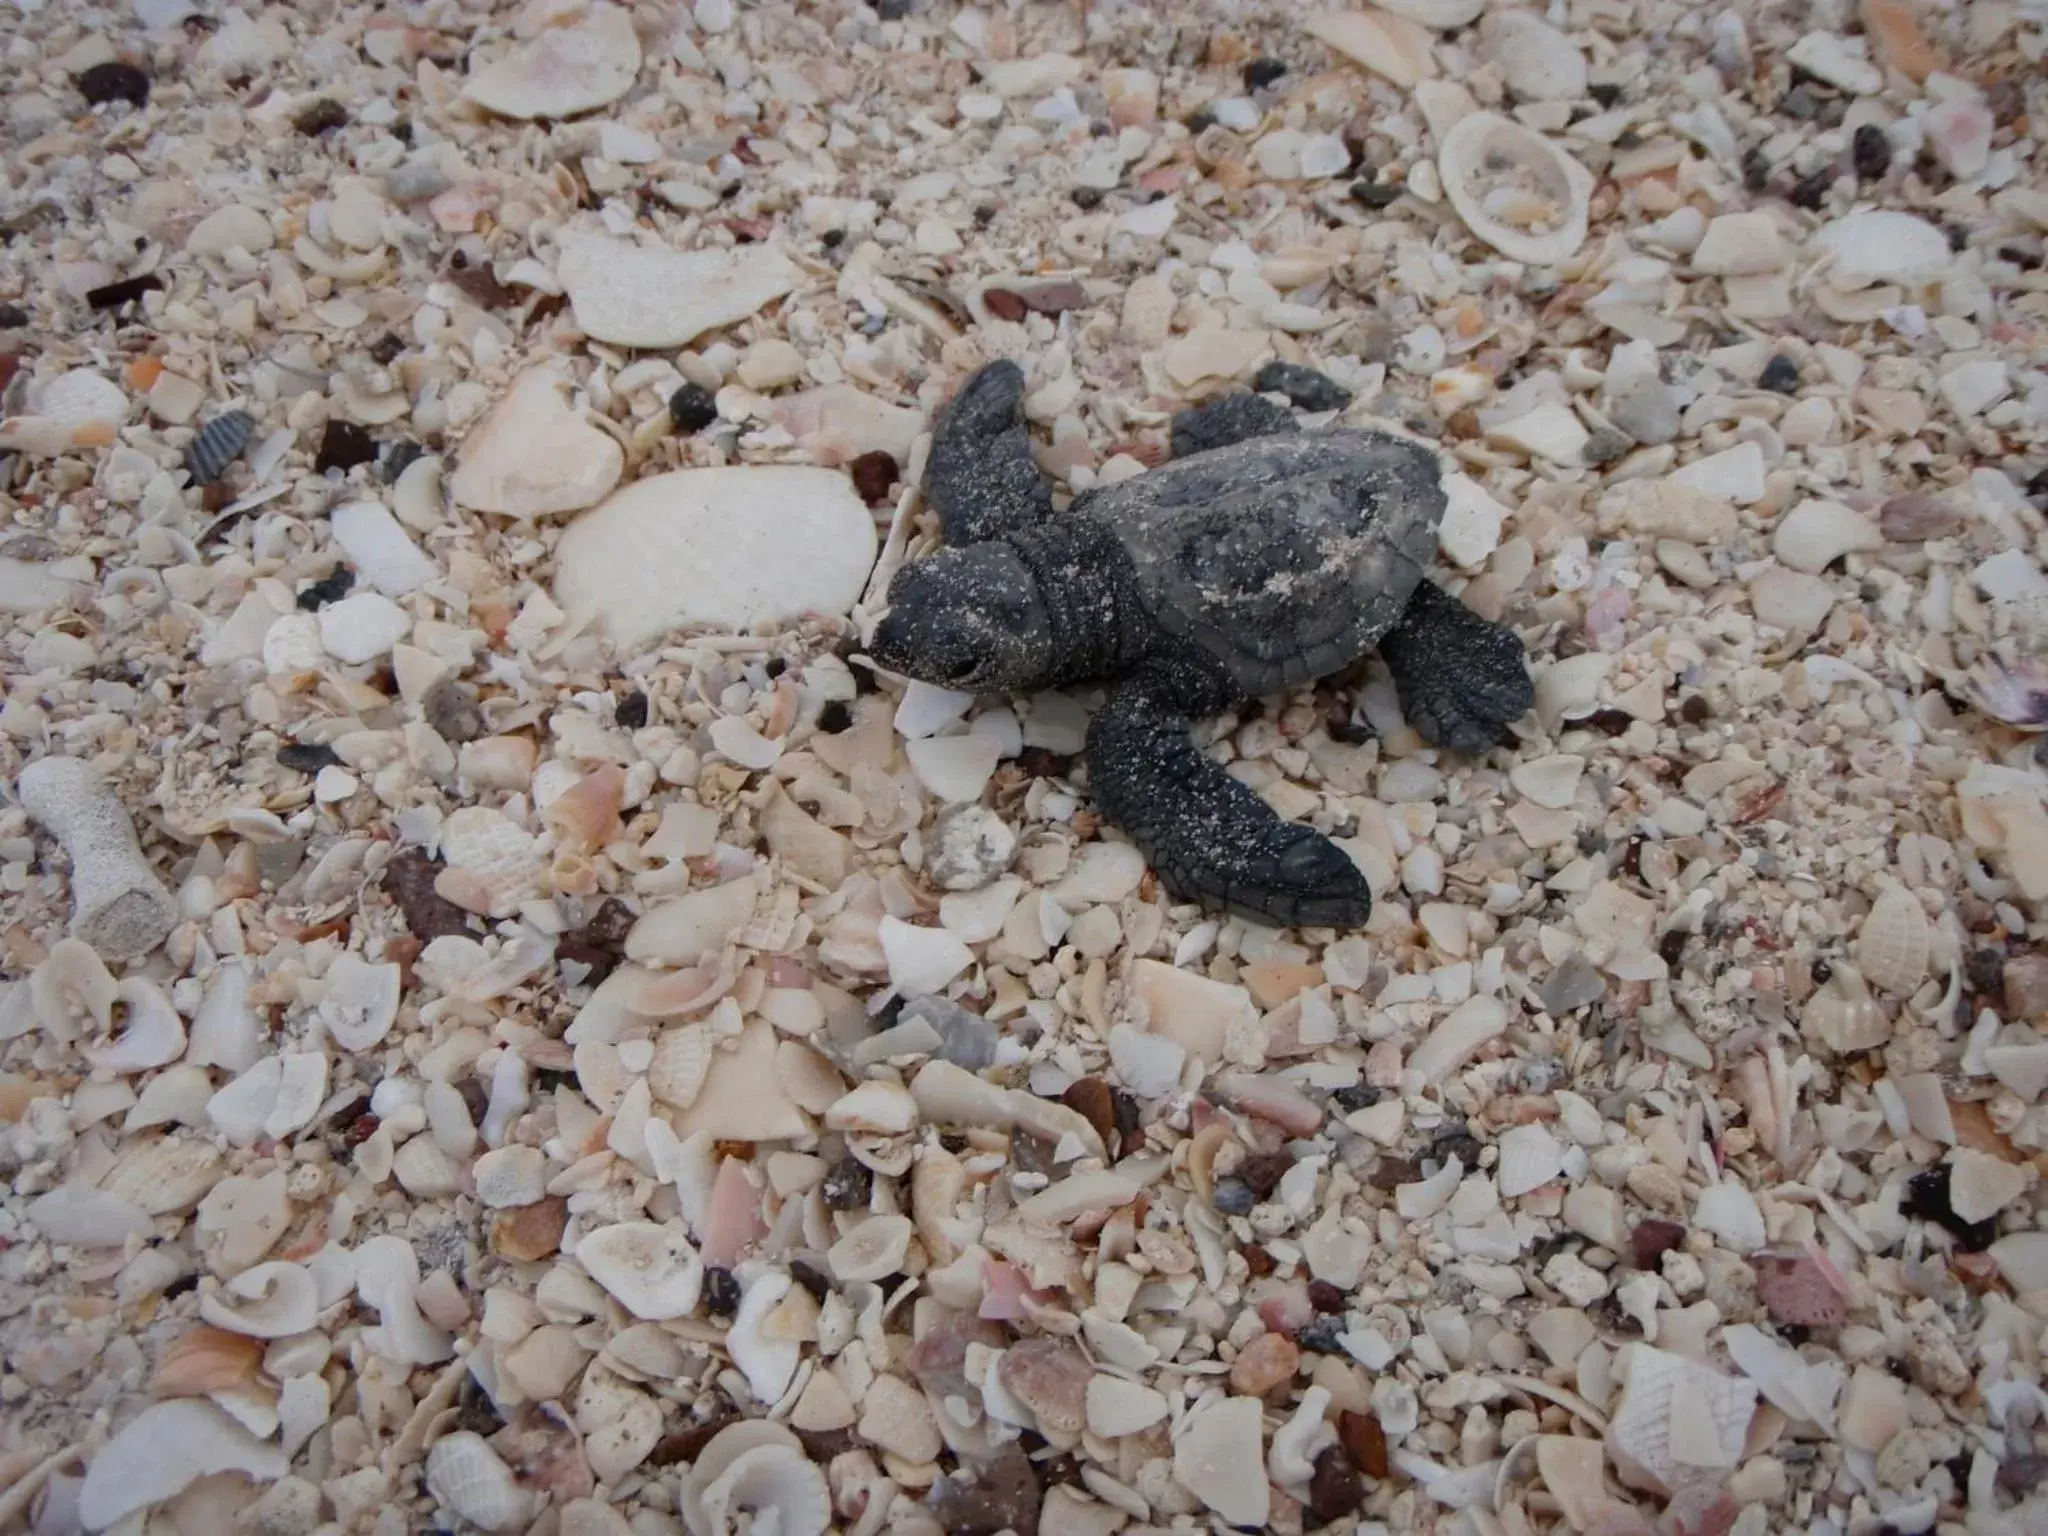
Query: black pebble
x,y
848,1185
385,349
892,10
306,756
834,717
692,408
398,458
721,1292
1927,1198
1606,95
2037,484
1376,194
1871,152
12,317
1356,1097
1958,237
126,291
1261,73
1324,1336
1811,191
1199,119
114,82
343,445
1799,102
331,588
1756,170
631,711
322,117
1305,387
1780,374
832,239
1087,197
1234,1197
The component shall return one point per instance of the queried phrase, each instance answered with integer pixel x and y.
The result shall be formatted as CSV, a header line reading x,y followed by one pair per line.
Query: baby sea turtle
x,y
1260,558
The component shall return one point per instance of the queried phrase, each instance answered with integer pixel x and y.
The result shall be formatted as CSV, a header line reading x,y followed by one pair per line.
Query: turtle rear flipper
x,y
981,477
1208,837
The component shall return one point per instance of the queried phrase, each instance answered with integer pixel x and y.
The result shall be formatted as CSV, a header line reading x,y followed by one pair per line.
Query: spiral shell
x,y
217,446
1895,942
682,1060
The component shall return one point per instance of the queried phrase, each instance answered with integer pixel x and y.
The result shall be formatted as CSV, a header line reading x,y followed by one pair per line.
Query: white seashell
x,y
465,1474
512,1176
771,1487
1676,1416
292,647
72,985
1530,1157
1843,1015
1443,15
1119,1407
1730,1213
533,456
161,1452
387,1277
1895,943
877,1108
84,1217
655,297
874,1250
720,1454
701,923
1393,47
1817,532
270,1301
564,70
301,1090
178,1096
1980,1185
955,768
682,1060
921,960
360,1003
738,740
79,400
651,1270
1476,148
226,1032
1550,781
242,1107
1883,246
1217,1457
769,1363
380,549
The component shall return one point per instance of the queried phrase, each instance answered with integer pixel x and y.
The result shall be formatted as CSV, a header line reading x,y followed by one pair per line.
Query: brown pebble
x,y
1004,1495
1090,1098
1364,1442
1649,1240
530,1232
688,1443
1003,304
1268,1361
1335,1490
1053,298
2026,987
1915,518
874,476
409,881
1325,1297
1257,1260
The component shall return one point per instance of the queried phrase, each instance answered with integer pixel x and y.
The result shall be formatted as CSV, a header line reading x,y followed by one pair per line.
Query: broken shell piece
x,y
270,1301
1895,942
151,1032
161,1452
874,1250
771,1487
877,1108
465,1474
72,985
1539,216
563,71
719,1455
202,1361
651,1270
650,296
119,906
533,456
767,1361
2011,690
682,1060
1676,1420
361,1002
1217,1458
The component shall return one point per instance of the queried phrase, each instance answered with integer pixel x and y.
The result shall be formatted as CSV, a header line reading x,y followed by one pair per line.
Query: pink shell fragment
x,y
1795,1289
733,1223
1271,1098
1287,1311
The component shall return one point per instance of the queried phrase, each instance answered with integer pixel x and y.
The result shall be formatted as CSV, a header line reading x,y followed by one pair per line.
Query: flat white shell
x,y
1484,139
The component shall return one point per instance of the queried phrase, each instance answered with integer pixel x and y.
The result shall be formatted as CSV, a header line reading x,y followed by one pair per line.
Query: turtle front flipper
x,y
1462,680
1208,837
981,477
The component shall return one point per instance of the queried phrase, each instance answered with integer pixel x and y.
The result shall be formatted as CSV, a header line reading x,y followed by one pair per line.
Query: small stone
x,y
1870,151
722,1293
1836,61
343,445
692,408
1780,375
1915,518
1650,1239
1267,1362
1790,600
113,82
1261,73
1336,1489
1882,245
966,1039
1741,244
362,627
1795,1289
848,1185
1818,532
1364,1442
1002,1494
1575,984
874,477
530,1233
1305,388
323,116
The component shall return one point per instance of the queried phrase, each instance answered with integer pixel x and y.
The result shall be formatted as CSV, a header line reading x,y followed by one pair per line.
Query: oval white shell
x,y
682,1060
1895,942
1482,141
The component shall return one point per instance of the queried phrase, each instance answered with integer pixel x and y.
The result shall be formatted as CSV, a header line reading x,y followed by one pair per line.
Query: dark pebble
x,y
409,881
1325,1297
482,285
1041,764
331,588
609,925
2037,484
217,445
1756,170
1870,151
1780,375
848,1185
811,1278
1322,1337
874,476
386,348
1356,1097
1984,970
1263,1170
832,239
343,445
1811,191
721,1292
12,317
126,291
1611,722
1307,388
1003,1495
1606,95
1695,710
1649,1240
1234,1197
1377,194
1364,1442
324,116
1261,73
834,717
1927,1198
1003,304
1086,197
1336,1489
451,709
1958,237
688,1443
398,458
1606,445
1799,102
691,408
306,756
631,711
114,82
1090,1098
1353,733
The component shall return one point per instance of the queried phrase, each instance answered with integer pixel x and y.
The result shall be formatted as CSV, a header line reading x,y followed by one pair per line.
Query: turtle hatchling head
x,y
967,618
